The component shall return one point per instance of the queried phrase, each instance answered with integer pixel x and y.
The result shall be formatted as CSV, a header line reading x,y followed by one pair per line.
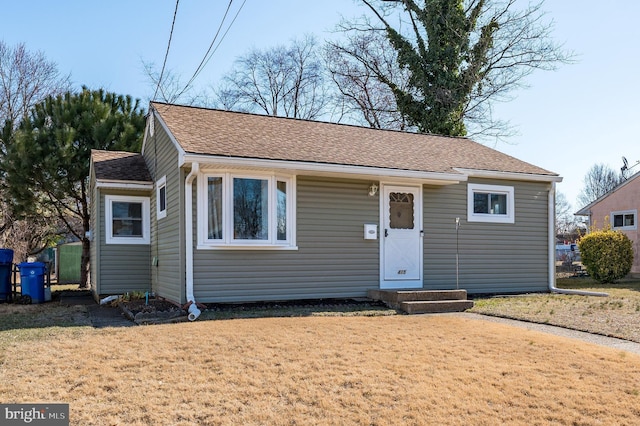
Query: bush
x,y
607,255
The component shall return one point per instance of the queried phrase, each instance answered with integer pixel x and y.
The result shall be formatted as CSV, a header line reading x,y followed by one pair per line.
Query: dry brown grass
x,y
617,315
323,370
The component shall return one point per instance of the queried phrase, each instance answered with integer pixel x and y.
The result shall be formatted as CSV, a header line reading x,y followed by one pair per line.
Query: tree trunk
x,y
86,242
85,263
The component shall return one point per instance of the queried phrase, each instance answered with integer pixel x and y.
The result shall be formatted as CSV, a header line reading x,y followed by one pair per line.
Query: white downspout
x,y
552,251
194,312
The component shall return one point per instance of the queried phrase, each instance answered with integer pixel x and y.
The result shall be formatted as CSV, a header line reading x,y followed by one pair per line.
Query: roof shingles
x,y
119,166
223,133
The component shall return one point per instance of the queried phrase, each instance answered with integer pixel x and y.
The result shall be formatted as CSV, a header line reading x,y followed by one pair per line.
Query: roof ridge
x,y
308,120
234,134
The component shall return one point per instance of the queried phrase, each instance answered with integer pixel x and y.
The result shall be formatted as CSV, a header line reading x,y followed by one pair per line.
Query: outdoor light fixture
x,y
373,189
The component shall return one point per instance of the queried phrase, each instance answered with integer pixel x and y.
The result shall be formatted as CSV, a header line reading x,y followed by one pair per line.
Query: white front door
x,y
401,237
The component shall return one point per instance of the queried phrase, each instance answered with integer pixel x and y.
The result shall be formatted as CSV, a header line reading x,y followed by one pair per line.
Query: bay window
x,y
245,210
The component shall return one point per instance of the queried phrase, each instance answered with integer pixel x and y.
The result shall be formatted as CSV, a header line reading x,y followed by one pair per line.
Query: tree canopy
x,y
457,56
47,161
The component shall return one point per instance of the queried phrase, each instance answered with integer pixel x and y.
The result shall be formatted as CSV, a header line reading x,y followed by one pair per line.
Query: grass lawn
x,y
360,370
617,315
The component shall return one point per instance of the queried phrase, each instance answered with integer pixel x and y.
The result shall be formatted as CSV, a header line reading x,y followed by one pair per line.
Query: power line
x,y
207,56
224,35
197,71
166,55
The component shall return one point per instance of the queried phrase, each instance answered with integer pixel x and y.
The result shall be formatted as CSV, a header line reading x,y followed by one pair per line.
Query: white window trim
x,y
228,242
625,212
146,228
162,182
509,191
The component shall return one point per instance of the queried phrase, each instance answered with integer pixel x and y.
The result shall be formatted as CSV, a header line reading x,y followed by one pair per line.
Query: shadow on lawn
x,y
15,316
296,308
589,283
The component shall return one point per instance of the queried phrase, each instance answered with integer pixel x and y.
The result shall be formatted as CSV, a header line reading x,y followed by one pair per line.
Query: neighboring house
x,y
618,210
232,207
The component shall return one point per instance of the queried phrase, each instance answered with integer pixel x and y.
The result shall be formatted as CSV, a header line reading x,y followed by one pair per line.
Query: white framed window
x,y
127,219
626,220
490,203
246,210
161,197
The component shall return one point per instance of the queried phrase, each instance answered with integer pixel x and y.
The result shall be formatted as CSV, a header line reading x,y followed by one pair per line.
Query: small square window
x,y
126,220
490,203
624,220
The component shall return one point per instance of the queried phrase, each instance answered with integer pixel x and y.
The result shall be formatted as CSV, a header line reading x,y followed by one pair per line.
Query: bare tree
x,y
460,57
567,226
172,88
599,180
30,236
365,98
26,78
283,81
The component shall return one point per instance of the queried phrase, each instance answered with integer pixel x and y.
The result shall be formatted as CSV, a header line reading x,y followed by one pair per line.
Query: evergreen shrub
x,y
607,255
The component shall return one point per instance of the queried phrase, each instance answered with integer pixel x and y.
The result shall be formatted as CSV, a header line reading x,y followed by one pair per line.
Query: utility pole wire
x,y
209,53
223,35
166,55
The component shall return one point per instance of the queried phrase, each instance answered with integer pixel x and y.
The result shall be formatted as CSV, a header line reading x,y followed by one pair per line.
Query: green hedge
x,y
607,255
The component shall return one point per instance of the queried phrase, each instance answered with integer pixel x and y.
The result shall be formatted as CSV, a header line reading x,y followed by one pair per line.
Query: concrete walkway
x,y
612,342
100,315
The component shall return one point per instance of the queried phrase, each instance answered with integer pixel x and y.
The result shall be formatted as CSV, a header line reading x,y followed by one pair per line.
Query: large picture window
x,y
245,210
490,203
126,219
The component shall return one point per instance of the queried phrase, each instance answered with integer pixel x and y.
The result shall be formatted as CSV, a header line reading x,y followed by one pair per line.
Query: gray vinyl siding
x,y
121,267
493,257
167,234
332,261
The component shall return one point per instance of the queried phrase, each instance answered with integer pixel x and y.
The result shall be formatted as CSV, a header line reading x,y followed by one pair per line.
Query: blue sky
x,y
567,120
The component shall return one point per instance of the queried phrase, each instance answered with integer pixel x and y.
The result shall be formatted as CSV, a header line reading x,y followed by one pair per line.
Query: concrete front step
x,y
435,306
395,296
423,301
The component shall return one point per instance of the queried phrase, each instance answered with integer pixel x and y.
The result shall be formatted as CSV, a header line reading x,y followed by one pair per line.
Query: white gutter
x,y
369,172
552,251
116,184
194,312
493,174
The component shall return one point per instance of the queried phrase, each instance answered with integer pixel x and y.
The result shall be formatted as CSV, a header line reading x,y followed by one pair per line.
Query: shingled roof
x,y
241,135
119,166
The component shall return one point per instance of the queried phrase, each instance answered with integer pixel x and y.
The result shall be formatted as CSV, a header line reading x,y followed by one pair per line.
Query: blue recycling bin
x,y
6,256
6,262
32,280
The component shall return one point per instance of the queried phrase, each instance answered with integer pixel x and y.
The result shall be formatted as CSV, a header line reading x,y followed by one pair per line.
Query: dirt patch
x,y
297,308
153,311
